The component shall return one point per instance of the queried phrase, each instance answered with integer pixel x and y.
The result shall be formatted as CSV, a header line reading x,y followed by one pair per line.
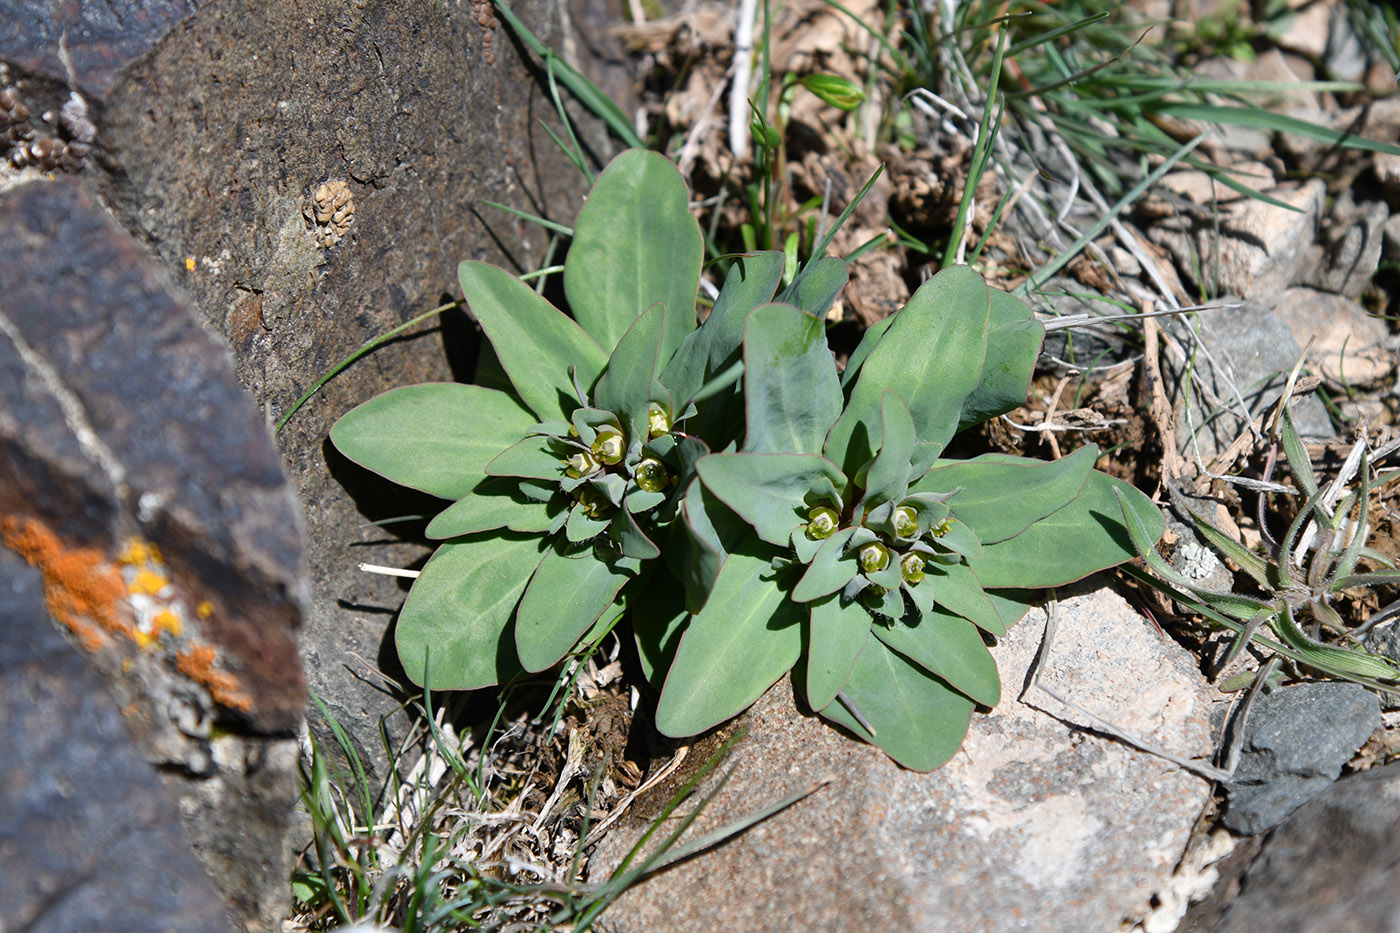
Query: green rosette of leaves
x,y
563,483
847,550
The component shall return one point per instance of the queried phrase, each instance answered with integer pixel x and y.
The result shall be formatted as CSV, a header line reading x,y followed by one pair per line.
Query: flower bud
x,y
873,596
942,528
651,474
838,92
580,463
911,567
874,557
608,447
822,524
906,522
658,422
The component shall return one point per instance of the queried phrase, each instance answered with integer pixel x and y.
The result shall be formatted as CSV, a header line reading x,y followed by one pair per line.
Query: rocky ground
x,y
198,220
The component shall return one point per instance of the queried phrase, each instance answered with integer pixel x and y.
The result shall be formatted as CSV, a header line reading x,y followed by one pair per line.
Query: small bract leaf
x,y
494,503
625,386
747,636
581,527
459,611
830,570
1093,521
919,720
837,631
635,243
767,490
888,477
957,589
435,437
951,647
931,354
791,394
532,458
714,346
999,497
566,595
534,341
630,538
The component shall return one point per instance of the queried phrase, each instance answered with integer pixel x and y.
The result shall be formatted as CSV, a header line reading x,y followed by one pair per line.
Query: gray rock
x,y
1296,741
1250,349
1333,865
1032,825
88,835
123,433
1345,55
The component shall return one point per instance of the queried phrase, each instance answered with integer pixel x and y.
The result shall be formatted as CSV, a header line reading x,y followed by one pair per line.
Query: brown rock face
x,y
311,173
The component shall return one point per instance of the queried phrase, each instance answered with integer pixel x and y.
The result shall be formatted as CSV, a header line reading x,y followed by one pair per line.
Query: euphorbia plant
x,y
563,484
838,541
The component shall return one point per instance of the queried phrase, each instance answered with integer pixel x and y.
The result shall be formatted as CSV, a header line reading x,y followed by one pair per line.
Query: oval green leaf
x,y
748,635
919,720
791,394
1038,557
457,616
534,341
837,631
565,597
767,490
435,437
714,345
1013,345
625,388
635,244
494,503
932,355
950,647
1000,496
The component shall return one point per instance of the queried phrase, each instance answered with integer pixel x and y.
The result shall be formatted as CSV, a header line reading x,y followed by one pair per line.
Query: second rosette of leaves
x,y
838,543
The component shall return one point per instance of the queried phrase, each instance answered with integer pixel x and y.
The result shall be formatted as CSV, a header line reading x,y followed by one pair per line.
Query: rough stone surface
x,y
1258,249
1350,246
139,481
1295,744
1032,825
1334,865
81,813
214,147
1349,346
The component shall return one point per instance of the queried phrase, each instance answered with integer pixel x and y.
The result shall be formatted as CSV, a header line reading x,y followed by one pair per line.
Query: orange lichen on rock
x,y
198,665
81,589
